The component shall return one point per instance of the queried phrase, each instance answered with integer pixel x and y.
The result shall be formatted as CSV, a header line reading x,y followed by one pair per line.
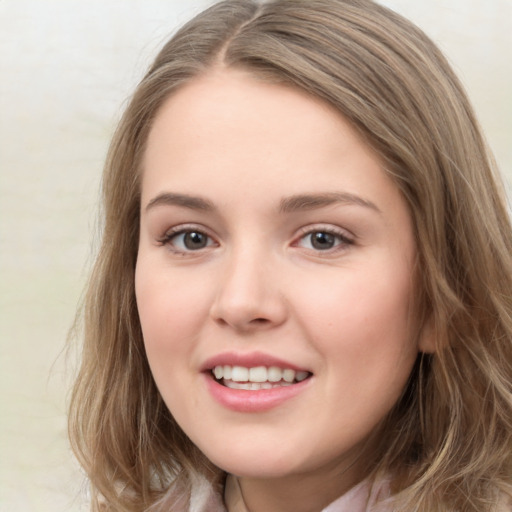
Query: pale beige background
x,y
66,69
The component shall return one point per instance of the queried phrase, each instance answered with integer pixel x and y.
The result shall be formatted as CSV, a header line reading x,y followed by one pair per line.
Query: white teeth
x,y
288,375
239,374
300,376
237,385
258,375
275,374
227,372
253,386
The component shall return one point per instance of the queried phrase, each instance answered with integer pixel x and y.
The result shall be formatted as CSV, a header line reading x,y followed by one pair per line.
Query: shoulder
x,y
204,498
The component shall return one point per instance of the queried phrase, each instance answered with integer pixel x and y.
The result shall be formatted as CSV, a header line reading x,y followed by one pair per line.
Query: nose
x,y
249,297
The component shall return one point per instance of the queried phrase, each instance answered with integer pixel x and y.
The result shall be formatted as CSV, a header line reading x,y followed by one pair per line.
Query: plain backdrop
x,y
67,68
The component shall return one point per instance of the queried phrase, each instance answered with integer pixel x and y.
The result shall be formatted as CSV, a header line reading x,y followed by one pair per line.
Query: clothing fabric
x,y
360,498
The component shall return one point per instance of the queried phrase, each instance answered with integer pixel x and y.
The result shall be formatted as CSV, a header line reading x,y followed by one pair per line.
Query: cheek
x,y
362,328
362,319
171,317
170,310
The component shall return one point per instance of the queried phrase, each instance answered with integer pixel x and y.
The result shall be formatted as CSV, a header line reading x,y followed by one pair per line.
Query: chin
x,y
267,470
264,465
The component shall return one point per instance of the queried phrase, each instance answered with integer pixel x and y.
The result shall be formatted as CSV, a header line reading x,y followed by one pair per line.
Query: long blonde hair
x,y
447,444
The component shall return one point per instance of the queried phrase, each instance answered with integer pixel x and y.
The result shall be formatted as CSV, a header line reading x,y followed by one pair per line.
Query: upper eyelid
x,y
167,239
345,238
183,228
328,228
180,228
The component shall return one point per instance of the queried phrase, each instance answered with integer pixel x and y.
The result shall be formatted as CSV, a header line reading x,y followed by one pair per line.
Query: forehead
x,y
241,104
230,118
231,135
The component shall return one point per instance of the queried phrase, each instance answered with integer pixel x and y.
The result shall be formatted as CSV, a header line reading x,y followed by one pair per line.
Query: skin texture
x,y
259,284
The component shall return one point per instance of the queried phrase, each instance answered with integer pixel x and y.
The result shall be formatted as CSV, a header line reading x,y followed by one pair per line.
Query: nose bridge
x,y
249,294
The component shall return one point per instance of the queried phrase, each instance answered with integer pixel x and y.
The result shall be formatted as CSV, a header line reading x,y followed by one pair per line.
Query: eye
x,y
191,240
187,240
323,240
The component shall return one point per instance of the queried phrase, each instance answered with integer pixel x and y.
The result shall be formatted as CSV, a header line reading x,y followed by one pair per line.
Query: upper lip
x,y
249,360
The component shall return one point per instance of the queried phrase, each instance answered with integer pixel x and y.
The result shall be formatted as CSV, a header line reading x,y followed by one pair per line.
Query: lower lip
x,y
243,400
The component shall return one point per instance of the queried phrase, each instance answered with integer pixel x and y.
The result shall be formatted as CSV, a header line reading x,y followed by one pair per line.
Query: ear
x,y
426,338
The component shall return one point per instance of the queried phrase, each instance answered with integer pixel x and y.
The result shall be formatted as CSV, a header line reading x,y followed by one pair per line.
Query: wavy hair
x,y
447,444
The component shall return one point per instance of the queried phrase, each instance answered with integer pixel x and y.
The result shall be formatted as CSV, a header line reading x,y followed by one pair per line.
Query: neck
x,y
308,492
312,490
262,496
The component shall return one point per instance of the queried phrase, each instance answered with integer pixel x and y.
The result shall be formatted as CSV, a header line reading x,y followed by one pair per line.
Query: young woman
x,y
303,299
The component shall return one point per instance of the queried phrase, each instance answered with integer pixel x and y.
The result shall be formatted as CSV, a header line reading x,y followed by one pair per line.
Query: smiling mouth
x,y
258,377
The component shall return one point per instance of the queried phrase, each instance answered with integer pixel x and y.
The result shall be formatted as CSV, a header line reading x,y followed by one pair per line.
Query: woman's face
x,y
274,277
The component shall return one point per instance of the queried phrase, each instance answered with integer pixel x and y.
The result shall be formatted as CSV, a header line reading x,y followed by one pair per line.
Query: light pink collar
x,y
358,499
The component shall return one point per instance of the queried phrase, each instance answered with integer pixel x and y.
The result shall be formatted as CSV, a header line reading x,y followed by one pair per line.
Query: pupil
x,y
194,240
322,240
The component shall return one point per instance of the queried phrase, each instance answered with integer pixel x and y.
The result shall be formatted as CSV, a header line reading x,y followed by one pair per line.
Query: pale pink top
x,y
358,499
361,498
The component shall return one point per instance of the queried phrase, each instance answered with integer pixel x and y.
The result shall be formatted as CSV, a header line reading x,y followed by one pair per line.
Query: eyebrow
x,y
290,204
184,200
313,201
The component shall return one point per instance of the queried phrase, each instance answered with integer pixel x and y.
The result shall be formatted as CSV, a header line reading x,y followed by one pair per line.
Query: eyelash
x,y
173,233
342,241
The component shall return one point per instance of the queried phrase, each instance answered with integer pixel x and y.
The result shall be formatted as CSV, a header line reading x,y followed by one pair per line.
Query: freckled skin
x,y
259,283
